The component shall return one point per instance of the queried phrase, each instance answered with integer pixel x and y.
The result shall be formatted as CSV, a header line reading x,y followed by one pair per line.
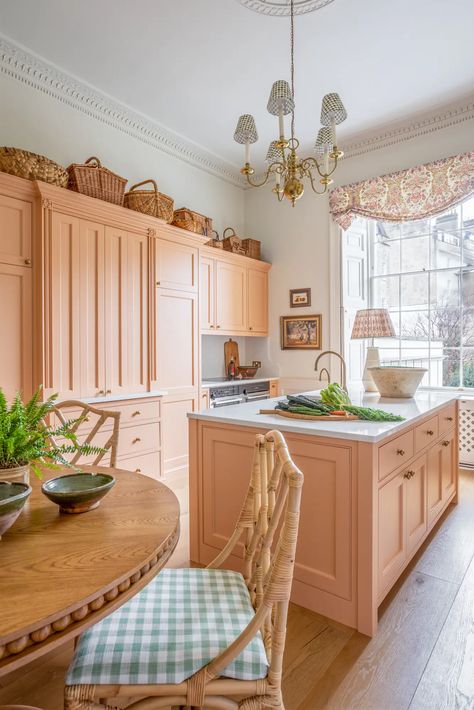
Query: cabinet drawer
x,y
133,440
395,453
447,418
135,411
426,433
148,464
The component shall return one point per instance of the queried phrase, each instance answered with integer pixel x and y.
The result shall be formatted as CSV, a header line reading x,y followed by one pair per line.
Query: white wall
x,y
38,122
297,240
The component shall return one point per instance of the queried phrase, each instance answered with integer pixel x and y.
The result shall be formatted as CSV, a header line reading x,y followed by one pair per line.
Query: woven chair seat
x,y
176,625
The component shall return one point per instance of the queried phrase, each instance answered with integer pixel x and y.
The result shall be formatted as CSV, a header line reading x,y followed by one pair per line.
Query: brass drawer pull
x,y
28,262
217,326
409,474
138,470
430,432
136,440
400,452
211,326
445,443
136,414
450,419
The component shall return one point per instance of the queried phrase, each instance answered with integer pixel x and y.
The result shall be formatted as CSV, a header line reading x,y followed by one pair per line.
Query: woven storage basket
x,y
233,243
151,202
192,221
251,248
92,179
32,166
215,241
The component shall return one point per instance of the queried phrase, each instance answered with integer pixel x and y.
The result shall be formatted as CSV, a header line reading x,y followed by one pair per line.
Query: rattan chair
x,y
274,492
98,421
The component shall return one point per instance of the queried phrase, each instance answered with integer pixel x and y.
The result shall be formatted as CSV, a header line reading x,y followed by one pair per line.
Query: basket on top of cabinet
x,y
92,179
32,166
192,221
151,202
233,243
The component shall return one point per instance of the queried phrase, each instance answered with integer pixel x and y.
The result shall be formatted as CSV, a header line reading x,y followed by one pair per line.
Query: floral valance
x,y
407,194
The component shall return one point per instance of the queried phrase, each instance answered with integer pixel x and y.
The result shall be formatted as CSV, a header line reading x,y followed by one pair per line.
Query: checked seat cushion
x,y
169,630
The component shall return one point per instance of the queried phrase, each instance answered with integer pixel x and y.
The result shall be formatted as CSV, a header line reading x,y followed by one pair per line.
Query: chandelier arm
x,y
334,167
279,169
318,192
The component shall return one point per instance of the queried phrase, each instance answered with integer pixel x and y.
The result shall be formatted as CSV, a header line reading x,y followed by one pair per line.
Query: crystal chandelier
x,y
290,170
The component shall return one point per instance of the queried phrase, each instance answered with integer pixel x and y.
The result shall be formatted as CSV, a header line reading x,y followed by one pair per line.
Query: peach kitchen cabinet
x,y
233,294
366,508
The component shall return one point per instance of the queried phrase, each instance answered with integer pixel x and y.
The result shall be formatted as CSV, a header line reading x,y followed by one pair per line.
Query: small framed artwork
x,y
300,297
300,333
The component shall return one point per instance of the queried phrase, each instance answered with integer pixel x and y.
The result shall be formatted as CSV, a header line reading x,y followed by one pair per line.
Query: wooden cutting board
x,y
231,350
322,418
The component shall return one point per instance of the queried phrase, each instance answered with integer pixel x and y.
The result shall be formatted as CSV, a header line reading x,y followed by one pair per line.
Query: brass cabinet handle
x,y
430,432
108,392
409,474
217,326
450,419
251,327
136,440
211,326
101,392
158,283
138,470
136,414
28,262
400,452
445,443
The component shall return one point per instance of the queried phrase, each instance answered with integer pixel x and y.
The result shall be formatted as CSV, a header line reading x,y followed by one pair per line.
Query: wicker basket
x,y
32,166
150,202
233,243
192,221
94,180
251,248
215,241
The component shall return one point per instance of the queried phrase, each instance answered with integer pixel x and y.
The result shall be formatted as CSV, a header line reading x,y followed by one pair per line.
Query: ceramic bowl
x,y
78,492
13,496
399,382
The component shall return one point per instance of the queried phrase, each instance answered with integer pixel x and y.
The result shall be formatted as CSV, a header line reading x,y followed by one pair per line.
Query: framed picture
x,y
300,333
300,297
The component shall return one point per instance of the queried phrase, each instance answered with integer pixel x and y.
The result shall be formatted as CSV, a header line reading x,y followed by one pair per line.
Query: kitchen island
x,y
372,493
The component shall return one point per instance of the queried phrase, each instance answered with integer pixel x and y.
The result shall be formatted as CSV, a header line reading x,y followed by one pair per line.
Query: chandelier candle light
x,y
290,170
372,323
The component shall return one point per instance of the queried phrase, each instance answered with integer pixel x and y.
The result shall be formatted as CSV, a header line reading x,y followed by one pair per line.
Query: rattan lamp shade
x,y
281,99
372,323
332,110
273,152
324,140
246,130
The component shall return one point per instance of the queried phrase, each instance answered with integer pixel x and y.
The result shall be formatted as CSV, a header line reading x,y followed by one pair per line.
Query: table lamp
x,y
372,323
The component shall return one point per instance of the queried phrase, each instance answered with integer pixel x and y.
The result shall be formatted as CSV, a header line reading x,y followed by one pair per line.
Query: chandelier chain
x,y
292,52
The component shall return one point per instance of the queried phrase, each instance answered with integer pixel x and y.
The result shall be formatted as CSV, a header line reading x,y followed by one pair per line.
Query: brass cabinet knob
x,y
217,326
158,283
136,414
136,440
445,443
101,392
211,326
400,452
28,262
138,470
450,419
430,432
108,392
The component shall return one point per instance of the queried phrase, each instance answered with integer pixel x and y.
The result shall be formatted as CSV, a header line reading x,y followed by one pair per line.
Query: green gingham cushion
x,y
169,630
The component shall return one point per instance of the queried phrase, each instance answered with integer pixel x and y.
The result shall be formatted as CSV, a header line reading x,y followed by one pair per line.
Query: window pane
x,y
414,291
415,326
445,249
451,368
419,226
385,292
468,246
468,368
386,255
388,230
467,281
389,356
449,221
445,290
445,326
416,254
468,326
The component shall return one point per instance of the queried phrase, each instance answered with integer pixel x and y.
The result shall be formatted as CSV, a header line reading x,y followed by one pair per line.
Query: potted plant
x,y
27,441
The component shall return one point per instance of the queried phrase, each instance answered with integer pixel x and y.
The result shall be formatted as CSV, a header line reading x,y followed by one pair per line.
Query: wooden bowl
x,y
397,382
78,492
13,496
247,371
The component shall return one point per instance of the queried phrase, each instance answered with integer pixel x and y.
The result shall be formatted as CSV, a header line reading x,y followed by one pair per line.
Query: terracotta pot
x,y
20,474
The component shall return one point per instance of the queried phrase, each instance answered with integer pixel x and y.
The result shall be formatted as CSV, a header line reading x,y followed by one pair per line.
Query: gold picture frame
x,y
300,297
301,332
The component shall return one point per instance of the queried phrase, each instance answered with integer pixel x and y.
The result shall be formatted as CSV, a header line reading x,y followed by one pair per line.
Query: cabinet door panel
x,y
176,339
175,433
257,301
16,355
115,301
231,297
392,541
15,231
416,513
207,298
448,465
137,295
176,266
64,368
92,309
435,482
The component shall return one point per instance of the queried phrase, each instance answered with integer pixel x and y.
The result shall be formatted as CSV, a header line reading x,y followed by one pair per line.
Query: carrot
x,y
339,413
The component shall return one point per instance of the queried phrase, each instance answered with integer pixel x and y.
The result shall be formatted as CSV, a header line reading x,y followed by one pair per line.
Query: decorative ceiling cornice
x,y
281,8
17,62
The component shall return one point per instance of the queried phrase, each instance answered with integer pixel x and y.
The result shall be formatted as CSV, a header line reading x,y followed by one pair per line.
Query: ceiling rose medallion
x,y
288,169
281,8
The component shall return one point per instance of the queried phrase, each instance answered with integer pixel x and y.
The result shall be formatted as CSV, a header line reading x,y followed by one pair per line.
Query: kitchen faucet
x,y
343,366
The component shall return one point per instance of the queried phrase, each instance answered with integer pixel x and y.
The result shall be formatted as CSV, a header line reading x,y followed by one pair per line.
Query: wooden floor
x,y
422,657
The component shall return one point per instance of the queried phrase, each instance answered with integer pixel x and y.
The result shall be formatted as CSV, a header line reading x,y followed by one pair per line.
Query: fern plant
x,y
26,438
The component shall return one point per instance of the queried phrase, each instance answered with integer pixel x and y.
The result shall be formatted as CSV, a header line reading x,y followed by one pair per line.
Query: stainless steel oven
x,y
233,393
255,391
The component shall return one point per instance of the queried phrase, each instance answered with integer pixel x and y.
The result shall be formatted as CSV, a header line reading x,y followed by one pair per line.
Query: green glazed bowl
x,y
78,492
13,496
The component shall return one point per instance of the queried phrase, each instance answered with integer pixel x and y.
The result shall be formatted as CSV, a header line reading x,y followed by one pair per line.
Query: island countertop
x,y
411,409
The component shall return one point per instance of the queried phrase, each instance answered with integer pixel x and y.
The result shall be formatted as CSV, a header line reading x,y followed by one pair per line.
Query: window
x,y
423,273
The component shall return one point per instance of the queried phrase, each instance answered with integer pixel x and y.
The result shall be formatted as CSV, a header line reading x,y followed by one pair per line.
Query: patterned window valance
x,y
408,194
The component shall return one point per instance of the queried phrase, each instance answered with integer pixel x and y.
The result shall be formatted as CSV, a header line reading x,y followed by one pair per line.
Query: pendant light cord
x,y
292,51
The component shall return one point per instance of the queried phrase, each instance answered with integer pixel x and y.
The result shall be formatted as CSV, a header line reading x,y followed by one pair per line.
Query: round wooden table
x,y
61,573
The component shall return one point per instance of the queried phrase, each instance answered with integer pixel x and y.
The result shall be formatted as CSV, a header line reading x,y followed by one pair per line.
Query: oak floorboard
x,y
448,680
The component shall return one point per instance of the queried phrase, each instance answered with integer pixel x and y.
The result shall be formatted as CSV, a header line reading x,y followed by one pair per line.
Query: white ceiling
x,y
195,65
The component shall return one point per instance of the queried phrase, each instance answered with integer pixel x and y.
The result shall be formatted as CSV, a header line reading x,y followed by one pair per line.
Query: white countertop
x,y
371,432
221,383
121,397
